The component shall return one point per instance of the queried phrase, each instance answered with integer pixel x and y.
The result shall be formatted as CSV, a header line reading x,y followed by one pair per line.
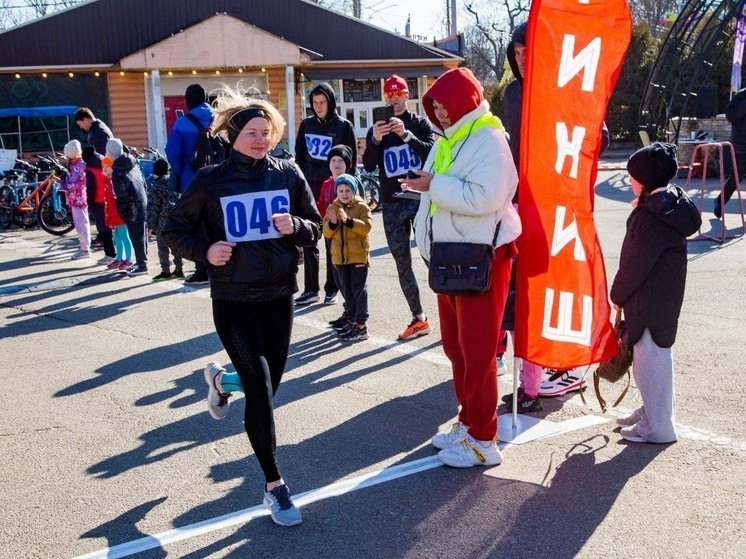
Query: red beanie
x,y
395,83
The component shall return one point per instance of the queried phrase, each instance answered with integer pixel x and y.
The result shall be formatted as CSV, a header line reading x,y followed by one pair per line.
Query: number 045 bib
x,y
248,217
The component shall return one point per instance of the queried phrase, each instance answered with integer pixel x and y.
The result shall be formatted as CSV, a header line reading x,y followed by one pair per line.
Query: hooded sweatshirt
x,y
512,100
651,279
316,136
471,189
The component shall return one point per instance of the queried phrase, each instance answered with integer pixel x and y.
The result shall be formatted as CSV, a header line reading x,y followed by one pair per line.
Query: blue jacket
x,y
182,142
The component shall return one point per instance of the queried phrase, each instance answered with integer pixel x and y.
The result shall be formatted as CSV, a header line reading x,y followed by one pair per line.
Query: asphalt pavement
x,y
108,450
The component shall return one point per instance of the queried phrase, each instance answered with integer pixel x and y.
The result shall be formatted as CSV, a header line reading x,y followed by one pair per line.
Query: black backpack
x,y
210,150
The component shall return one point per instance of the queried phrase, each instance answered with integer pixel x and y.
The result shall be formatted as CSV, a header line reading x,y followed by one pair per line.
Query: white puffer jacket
x,y
474,193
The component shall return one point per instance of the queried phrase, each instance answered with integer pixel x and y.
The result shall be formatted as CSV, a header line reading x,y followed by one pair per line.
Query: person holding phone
x,y
397,146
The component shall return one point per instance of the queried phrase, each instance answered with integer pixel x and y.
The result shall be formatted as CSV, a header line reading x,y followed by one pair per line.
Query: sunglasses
x,y
391,94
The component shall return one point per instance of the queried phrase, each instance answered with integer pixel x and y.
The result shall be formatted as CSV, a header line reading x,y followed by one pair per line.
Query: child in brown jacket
x,y
347,222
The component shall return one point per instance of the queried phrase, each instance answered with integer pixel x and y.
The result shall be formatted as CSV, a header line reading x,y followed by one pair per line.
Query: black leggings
x,y
248,331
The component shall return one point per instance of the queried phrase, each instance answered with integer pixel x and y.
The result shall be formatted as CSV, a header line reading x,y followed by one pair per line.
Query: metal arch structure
x,y
696,40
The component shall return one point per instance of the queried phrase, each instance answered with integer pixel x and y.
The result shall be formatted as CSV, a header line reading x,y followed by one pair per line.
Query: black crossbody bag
x,y
460,268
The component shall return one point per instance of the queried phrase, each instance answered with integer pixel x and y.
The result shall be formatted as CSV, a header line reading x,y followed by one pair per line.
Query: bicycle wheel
x,y
56,222
372,192
7,208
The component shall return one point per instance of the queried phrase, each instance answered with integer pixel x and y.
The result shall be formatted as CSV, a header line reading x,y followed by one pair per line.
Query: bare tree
x,y
489,33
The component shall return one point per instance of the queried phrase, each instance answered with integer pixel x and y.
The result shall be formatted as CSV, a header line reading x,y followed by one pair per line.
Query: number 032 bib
x,y
248,217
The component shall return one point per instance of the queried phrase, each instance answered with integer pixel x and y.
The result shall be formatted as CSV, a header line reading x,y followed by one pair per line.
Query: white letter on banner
x,y
563,236
571,65
563,332
569,148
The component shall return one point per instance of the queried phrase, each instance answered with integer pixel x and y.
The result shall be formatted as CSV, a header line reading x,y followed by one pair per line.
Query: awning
x,y
62,110
371,73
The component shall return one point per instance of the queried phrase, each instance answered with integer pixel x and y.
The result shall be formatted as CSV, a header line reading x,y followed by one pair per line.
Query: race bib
x,y
318,146
248,217
400,159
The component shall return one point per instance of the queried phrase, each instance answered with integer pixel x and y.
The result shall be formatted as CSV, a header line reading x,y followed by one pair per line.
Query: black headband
x,y
241,118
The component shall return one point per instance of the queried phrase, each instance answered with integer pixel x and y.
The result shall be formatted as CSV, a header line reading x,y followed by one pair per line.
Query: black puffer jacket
x,y
261,270
129,189
420,144
735,112
650,283
98,135
317,136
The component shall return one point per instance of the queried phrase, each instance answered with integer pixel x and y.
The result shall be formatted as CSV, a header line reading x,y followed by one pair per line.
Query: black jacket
x,y
391,167
317,136
129,189
650,283
735,112
261,270
98,135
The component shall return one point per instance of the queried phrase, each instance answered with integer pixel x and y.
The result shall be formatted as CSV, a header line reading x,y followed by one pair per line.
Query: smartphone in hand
x,y
383,113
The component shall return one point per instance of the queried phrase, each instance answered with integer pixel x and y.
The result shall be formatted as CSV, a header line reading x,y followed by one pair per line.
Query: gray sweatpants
x,y
652,368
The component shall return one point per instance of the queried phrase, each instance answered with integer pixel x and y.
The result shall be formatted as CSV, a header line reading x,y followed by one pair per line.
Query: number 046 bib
x,y
248,217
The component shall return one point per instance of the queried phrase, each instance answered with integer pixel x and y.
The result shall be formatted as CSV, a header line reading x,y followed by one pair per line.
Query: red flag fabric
x,y
575,51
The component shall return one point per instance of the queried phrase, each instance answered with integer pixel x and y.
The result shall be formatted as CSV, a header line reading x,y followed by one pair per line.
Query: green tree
x,y
622,116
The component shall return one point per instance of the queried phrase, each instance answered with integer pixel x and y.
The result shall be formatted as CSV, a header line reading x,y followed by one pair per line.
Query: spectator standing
x,y
98,132
180,148
114,221
650,284
74,185
317,134
467,185
161,200
94,178
404,138
348,221
735,112
131,201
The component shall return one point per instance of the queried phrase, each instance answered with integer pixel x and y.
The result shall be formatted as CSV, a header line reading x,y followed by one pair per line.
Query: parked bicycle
x,y
29,203
371,189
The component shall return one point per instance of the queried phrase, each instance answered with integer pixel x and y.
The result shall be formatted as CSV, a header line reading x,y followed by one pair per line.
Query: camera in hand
x,y
383,113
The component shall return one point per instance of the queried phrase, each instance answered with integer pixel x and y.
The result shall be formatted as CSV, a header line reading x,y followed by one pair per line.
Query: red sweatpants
x,y
469,327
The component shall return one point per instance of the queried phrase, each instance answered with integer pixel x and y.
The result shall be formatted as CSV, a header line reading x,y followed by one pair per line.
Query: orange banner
x,y
575,51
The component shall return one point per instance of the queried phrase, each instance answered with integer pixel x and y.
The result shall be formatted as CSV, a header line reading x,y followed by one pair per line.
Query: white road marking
x,y
300,500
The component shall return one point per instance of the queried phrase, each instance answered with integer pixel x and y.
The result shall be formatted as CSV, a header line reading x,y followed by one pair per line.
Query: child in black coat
x,y
650,285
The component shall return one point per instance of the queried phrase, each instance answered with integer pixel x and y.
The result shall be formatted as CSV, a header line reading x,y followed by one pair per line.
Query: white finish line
x,y
302,499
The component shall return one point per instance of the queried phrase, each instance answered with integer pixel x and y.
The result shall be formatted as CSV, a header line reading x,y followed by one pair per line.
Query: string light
x,y
18,76
194,72
240,70
217,72
97,74
263,70
44,75
121,72
71,74
145,74
170,73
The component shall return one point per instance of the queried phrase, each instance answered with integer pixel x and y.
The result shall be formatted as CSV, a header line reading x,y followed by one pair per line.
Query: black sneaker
x,y
356,333
508,398
525,405
163,276
178,274
138,271
340,322
194,279
306,298
344,330
330,298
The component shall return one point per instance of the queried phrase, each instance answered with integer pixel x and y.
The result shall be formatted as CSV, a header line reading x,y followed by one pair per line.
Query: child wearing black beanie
x,y
649,287
162,198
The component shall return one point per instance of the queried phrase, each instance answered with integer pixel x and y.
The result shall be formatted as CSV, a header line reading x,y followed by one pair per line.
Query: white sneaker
x,y
444,440
217,401
630,434
502,368
81,254
468,452
631,419
106,260
558,383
